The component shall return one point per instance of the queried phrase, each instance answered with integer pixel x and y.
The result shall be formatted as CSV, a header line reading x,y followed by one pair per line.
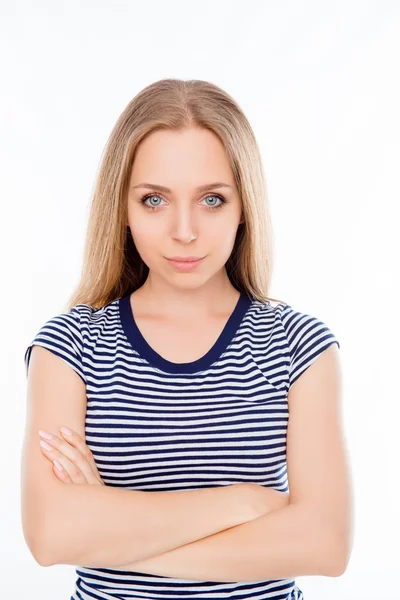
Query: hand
x,y
266,499
76,459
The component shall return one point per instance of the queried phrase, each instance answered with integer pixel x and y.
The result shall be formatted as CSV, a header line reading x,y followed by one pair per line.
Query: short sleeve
x,y
307,338
61,335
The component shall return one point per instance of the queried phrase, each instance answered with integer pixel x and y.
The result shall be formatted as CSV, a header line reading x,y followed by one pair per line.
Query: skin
x,y
75,460
183,223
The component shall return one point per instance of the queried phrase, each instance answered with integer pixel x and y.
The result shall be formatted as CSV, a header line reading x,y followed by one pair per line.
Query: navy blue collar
x,y
139,343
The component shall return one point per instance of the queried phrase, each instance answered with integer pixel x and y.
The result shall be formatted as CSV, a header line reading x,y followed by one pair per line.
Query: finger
x,y
79,443
77,465
74,474
60,472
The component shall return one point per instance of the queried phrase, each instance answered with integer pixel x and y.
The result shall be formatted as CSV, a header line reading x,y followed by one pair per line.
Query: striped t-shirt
x,y
156,425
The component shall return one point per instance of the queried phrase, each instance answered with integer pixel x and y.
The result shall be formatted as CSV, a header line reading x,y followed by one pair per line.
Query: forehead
x,y
191,157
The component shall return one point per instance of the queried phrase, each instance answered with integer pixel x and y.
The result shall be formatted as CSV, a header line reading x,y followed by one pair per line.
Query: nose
x,y
183,227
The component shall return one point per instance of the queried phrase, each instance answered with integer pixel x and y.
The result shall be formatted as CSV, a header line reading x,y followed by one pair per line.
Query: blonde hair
x,y
112,266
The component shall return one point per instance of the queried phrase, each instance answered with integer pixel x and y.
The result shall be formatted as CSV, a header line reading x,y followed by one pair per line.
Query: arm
x,y
101,525
313,534
285,543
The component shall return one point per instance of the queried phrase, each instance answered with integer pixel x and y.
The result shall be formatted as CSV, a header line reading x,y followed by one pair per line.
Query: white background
x,y
319,83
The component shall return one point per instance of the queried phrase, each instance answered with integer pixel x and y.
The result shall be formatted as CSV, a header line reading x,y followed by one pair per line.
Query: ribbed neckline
x,y
139,343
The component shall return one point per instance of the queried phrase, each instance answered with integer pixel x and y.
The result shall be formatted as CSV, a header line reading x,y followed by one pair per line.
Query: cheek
x,y
220,244
226,245
223,231
145,238
148,240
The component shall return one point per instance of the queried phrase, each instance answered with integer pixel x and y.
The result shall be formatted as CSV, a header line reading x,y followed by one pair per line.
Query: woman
x,y
177,375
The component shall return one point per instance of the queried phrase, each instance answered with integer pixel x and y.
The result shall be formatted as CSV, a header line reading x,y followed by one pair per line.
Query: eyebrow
x,y
200,188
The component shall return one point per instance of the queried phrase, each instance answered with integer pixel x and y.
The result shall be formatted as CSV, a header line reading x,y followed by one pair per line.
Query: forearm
x,y
96,525
284,543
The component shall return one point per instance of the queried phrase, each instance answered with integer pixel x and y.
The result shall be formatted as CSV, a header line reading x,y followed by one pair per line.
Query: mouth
x,y
186,265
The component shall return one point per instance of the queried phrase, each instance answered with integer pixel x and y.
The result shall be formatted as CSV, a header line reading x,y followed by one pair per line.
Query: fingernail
x,y
66,430
44,434
58,465
45,445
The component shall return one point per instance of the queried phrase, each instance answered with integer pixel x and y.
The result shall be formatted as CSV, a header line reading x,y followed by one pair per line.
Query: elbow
x,y
336,568
42,558
329,544
40,537
47,554
343,559
37,547
337,556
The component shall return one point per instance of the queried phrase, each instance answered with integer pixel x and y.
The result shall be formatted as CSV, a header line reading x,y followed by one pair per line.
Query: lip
x,y
185,265
186,258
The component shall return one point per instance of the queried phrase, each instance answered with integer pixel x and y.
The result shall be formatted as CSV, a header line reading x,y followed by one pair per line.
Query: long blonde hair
x,y
112,265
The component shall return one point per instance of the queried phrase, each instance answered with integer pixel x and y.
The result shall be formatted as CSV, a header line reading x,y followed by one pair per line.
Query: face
x,y
182,220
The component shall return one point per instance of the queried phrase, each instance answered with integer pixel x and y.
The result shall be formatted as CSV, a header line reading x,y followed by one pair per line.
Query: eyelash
x,y
152,208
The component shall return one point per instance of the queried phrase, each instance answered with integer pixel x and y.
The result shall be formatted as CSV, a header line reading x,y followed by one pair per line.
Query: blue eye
x,y
152,208
143,200
223,201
